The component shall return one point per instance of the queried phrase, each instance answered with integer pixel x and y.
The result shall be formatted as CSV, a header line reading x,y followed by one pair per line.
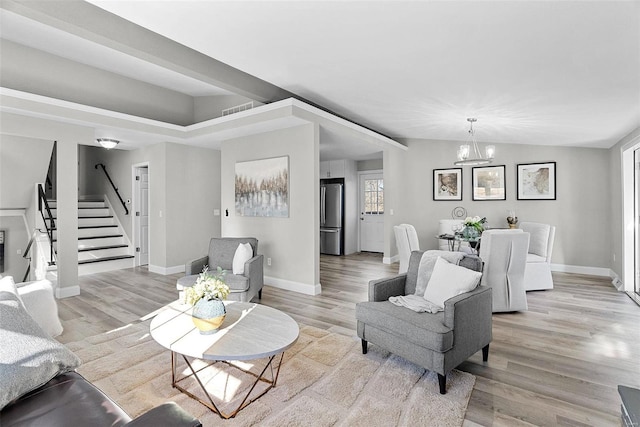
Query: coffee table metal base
x,y
209,403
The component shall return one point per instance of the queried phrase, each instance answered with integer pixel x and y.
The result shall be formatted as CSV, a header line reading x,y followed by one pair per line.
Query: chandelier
x,y
468,158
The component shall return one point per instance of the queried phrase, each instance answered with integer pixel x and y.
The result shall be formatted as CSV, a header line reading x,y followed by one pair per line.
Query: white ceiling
x,y
532,72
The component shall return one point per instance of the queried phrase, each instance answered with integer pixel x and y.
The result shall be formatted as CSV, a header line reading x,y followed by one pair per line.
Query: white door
x,y
371,212
142,215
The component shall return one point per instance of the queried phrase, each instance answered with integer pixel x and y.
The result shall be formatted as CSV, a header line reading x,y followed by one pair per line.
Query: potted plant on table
x,y
206,297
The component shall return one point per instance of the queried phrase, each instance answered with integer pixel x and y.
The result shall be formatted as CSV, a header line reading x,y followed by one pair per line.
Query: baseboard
x,y
616,282
387,260
581,269
68,291
165,271
289,285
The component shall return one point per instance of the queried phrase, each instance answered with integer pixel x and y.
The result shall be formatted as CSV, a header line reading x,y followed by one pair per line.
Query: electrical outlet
x,y
268,261
614,257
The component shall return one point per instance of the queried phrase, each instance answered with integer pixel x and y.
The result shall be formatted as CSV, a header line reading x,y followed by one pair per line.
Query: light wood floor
x,y
557,364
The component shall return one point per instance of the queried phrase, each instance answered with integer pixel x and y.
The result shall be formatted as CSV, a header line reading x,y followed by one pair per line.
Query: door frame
x,y
629,220
135,221
360,194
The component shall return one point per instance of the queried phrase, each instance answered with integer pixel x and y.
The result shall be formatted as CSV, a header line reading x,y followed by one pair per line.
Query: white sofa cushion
x,y
39,301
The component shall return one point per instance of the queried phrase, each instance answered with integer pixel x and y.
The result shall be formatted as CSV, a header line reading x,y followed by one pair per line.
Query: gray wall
x,y
23,162
579,213
16,239
369,165
292,243
193,192
184,188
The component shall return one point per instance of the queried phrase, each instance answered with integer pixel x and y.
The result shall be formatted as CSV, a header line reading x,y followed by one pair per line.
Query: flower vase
x,y
470,233
208,315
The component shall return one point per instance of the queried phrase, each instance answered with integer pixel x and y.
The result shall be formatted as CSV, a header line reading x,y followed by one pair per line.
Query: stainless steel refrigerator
x,y
331,218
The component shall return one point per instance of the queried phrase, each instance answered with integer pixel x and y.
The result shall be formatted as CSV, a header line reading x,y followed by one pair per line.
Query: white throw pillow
x,y
39,301
244,253
7,284
449,280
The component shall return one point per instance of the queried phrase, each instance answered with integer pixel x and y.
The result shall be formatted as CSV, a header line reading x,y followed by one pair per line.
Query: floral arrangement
x,y
473,226
208,286
475,222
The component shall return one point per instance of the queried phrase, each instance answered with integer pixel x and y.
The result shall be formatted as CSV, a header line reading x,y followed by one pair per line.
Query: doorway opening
x,y
141,213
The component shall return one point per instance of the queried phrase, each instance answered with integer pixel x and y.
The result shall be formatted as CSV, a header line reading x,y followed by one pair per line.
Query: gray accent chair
x,y
244,287
438,342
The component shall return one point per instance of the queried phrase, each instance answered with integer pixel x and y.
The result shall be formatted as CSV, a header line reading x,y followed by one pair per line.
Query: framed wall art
x,y
447,184
537,181
262,187
489,183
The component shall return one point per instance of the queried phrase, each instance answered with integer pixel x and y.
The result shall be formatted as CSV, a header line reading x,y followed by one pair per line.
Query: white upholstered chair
x,y
538,272
406,241
504,253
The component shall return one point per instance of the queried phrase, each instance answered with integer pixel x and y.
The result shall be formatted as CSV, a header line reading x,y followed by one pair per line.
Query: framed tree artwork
x,y
489,183
447,184
537,181
262,187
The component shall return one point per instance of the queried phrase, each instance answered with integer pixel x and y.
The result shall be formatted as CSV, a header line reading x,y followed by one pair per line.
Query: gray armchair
x,y
438,342
243,287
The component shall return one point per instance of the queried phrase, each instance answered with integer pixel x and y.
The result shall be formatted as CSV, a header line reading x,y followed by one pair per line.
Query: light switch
x,y
216,212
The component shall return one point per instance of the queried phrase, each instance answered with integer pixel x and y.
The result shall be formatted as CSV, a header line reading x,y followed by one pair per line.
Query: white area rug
x,y
325,380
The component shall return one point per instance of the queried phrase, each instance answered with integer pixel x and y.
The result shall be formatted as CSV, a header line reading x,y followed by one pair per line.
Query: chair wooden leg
x,y
364,347
442,381
485,353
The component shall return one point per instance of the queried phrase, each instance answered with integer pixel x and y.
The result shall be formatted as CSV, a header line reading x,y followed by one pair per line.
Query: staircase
x,y
102,245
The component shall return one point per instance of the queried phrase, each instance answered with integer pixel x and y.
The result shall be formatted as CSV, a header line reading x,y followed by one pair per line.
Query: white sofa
x,y
37,297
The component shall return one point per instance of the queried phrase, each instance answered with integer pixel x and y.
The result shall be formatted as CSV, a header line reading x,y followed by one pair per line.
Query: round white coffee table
x,y
249,331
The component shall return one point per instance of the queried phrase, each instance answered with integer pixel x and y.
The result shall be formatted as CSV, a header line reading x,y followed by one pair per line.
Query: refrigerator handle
x,y
322,203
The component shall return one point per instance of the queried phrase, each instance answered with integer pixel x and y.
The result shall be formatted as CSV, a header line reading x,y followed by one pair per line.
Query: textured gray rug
x,y
324,381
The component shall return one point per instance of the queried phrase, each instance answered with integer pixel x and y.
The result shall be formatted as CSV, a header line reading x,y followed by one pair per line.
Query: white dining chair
x,y
538,272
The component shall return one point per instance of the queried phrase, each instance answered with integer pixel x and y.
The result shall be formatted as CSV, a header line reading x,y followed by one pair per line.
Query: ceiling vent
x,y
237,108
